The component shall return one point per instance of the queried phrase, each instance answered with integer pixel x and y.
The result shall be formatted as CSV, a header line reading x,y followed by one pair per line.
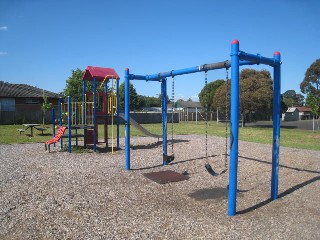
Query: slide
x,y
140,128
56,138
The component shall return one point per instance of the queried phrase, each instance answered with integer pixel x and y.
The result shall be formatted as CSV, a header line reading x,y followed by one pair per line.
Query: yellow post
x,y
111,111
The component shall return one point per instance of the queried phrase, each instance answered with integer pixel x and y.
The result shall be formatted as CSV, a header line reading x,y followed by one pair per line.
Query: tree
x,y
134,98
292,99
312,102
256,93
311,86
207,94
74,86
311,81
46,106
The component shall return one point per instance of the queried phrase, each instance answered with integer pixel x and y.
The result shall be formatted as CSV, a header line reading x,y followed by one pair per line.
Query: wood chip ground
x,y
59,195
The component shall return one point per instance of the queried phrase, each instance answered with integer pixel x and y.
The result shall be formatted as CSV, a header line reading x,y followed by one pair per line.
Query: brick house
x,y
22,103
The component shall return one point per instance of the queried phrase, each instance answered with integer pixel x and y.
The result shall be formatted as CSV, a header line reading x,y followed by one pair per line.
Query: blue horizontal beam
x,y
201,68
137,77
244,62
172,73
258,59
244,59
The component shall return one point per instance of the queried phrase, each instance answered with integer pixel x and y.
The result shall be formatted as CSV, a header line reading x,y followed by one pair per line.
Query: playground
x,y
159,186
65,195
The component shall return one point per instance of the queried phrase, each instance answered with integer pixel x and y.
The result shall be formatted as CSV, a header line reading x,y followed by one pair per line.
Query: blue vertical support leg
x,y
69,123
164,119
276,126
127,118
95,127
234,134
60,118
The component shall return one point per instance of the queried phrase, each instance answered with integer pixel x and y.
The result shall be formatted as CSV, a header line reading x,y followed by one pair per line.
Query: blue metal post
x,y
233,169
164,119
127,117
276,126
60,111
60,118
117,114
95,115
69,123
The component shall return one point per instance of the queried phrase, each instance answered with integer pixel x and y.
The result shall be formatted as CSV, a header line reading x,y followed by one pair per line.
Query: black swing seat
x,y
168,158
212,172
210,169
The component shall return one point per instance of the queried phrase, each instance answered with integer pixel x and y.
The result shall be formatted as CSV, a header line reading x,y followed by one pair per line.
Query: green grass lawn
x,y
294,138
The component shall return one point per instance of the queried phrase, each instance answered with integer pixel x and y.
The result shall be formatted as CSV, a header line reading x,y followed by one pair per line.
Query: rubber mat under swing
x,y
164,177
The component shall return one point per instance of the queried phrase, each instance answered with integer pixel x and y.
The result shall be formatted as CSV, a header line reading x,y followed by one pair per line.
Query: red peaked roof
x,y
100,74
304,109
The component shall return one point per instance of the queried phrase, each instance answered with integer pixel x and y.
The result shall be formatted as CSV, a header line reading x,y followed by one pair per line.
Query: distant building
x,y
296,114
23,103
189,106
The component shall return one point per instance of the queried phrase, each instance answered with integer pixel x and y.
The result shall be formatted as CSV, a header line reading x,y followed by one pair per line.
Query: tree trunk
x,y
242,120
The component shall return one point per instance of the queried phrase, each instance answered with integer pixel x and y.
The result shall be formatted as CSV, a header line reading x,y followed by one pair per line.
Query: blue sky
x,y
42,41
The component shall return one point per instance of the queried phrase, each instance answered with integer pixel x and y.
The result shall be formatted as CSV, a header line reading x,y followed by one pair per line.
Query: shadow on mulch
x,y
280,165
281,195
172,163
192,159
217,193
209,193
156,144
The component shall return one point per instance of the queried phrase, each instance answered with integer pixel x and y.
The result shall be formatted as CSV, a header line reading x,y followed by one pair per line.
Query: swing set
x,y
238,58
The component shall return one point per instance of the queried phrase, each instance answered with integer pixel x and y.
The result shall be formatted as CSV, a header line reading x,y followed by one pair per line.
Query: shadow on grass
x,y
270,126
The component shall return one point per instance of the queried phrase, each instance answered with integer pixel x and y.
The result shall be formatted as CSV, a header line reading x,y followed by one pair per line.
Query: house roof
x,y
24,90
300,109
99,73
291,109
304,109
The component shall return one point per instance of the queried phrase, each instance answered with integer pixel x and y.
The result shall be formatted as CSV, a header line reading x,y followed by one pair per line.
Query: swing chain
x,y
206,110
172,99
227,105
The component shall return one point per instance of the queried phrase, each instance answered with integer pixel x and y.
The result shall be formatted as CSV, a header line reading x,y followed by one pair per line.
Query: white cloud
x,y
3,28
3,53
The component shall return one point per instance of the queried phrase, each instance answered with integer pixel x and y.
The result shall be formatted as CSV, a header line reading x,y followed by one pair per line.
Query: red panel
x,y
100,74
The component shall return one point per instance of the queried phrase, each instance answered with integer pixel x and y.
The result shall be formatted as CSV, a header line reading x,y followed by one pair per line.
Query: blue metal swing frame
x,y
238,58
